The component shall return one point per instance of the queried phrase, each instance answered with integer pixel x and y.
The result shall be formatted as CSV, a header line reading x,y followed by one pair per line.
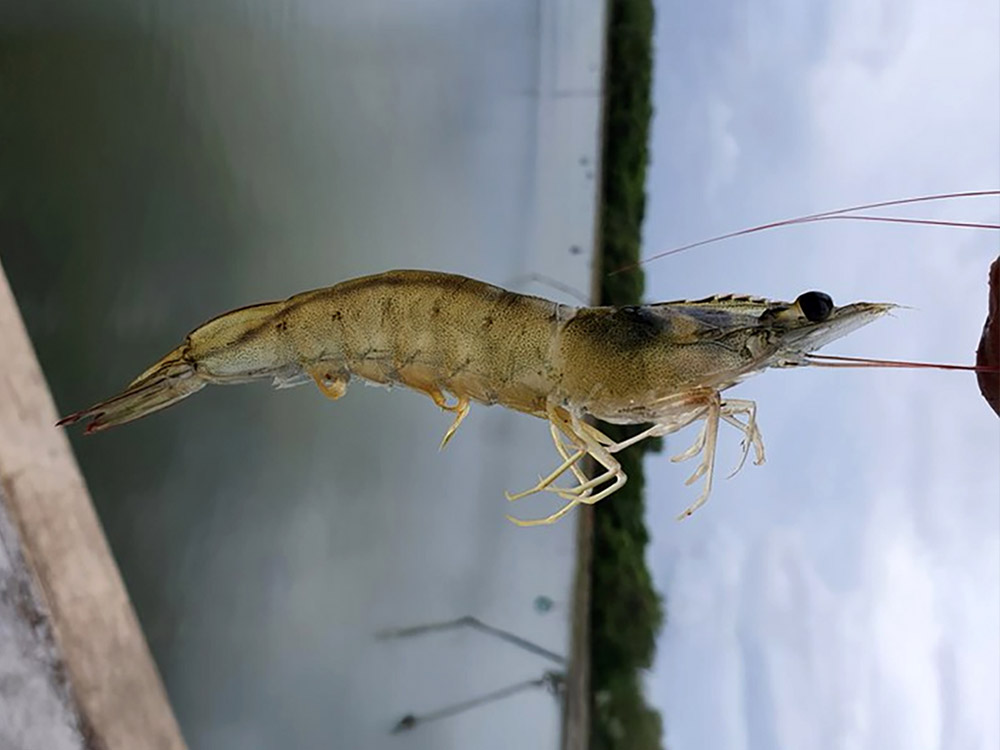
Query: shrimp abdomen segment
x,y
244,344
432,332
436,333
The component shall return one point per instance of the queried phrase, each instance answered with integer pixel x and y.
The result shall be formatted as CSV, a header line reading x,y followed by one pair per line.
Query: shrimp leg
x,y
751,435
331,386
588,440
334,386
570,462
585,485
562,448
705,445
558,423
572,429
545,482
583,436
461,409
612,447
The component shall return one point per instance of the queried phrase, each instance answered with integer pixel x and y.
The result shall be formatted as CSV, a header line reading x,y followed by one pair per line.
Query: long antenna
x,y
840,213
830,360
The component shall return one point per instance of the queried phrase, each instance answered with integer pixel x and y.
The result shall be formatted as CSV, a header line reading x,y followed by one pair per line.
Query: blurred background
x,y
164,162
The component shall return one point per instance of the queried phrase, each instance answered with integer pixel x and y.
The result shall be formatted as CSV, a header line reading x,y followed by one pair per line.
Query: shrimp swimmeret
x,y
663,364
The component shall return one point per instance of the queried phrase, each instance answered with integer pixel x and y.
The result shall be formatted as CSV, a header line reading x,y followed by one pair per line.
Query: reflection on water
x,y
160,167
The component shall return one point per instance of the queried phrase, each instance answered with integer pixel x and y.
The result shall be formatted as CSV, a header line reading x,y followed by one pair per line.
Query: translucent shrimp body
x,y
445,335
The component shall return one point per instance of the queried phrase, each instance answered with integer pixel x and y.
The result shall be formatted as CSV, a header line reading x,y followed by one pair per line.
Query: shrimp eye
x,y
816,306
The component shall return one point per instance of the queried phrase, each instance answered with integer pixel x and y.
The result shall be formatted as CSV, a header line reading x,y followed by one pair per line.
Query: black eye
x,y
816,306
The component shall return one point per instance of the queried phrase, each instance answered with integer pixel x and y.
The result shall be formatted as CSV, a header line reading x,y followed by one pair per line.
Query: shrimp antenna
x,y
829,360
837,214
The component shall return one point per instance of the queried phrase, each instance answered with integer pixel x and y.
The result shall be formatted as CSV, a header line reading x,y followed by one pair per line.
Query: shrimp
x,y
661,365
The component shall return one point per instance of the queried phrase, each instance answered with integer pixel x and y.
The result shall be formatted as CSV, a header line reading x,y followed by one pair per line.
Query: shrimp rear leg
x,y
562,448
589,441
460,407
573,429
569,462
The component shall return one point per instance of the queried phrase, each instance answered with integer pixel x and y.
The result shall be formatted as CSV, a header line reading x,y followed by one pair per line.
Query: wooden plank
x,y
71,594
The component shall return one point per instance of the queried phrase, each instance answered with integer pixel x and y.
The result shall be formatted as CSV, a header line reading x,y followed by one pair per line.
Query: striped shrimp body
x,y
663,365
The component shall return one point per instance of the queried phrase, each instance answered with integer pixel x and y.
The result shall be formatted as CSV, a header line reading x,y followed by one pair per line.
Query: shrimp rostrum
x,y
458,340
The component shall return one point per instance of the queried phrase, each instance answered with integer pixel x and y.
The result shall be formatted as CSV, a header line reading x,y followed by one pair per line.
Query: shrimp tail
x,y
170,380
